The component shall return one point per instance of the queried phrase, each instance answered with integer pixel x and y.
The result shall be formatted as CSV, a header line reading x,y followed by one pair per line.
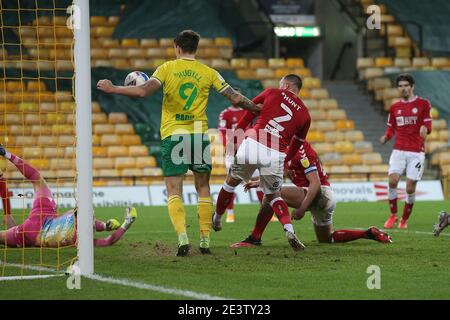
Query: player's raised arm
x,y
141,91
239,100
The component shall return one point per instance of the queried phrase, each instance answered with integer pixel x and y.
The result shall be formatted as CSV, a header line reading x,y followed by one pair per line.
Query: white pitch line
x,y
404,231
145,286
30,277
122,282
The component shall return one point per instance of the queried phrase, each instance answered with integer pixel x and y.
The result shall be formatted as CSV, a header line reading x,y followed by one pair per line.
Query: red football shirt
x,y
283,117
304,162
404,121
228,119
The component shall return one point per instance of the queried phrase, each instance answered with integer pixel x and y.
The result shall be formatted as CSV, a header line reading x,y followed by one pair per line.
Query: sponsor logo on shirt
x,y
403,121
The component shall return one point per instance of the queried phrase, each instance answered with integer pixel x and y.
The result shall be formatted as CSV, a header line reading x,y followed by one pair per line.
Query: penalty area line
x,y
110,280
150,287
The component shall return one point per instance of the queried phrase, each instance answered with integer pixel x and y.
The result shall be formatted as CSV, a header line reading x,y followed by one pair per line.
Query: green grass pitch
x,y
415,266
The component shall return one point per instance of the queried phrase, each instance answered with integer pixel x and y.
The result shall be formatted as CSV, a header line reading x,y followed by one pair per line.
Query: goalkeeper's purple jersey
x,y
60,231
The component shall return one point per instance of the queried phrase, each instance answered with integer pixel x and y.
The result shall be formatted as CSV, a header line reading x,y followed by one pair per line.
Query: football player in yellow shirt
x,y
185,143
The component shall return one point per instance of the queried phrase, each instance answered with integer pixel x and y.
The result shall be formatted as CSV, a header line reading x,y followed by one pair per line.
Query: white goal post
x,y
82,56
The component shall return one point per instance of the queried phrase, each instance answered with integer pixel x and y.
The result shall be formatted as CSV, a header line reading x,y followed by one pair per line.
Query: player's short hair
x,y
294,79
405,77
187,40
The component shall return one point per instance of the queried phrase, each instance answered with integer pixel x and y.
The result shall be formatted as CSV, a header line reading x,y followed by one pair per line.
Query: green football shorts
x,y
185,151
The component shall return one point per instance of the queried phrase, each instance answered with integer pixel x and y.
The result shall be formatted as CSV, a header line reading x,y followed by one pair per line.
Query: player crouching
x,y
312,192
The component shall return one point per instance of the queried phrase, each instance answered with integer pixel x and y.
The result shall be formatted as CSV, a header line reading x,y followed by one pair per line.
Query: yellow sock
x,y
205,213
177,214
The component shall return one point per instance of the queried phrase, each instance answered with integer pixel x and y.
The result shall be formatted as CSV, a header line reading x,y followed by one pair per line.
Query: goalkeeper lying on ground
x,y
44,227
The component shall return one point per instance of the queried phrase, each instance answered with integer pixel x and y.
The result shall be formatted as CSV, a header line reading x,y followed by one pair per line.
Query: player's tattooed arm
x,y
141,91
239,100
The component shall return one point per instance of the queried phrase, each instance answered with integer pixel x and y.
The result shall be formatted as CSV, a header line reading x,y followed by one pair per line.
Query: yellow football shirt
x,y
186,84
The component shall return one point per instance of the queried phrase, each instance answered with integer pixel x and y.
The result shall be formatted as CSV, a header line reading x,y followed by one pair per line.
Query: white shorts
x,y
412,162
322,209
253,156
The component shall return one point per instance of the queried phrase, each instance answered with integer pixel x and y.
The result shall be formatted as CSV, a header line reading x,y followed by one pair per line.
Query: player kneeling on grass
x,y
312,192
43,227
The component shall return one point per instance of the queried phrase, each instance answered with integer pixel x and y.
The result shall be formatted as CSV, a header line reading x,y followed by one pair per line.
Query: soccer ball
x,y
136,78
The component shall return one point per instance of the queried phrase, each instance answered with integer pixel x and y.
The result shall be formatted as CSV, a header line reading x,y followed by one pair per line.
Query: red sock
x,y
407,209
348,235
231,204
223,201
281,209
393,205
27,170
262,220
260,195
110,240
5,194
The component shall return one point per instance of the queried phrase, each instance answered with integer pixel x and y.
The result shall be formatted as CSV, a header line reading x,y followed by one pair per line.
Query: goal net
x,y
38,117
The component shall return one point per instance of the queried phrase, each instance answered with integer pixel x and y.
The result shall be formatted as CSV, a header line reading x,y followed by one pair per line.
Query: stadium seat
x,y
33,118
40,164
311,83
337,114
129,43
323,126
137,151
67,140
305,94
239,63
149,43
363,63
121,64
420,62
145,162
124,128
246,74
331,158
317,115
223,42
402,62
110,140
220,64
104,128
276,63
324,147
98,21
99,152
444,158
33,152
443,135
439,124
108,172
131,139
383,62
440,62
372,158
334,136
264,73
102,31
351,159
53,152
371,73
108,43
117,151
315,136
327,104
165,42
345,125
99,118
294,63
354,135
132,172
103,163
390,93
435,145
343,147
360,172
117,117
319,94
125,162
62,164
41,130
113,20
257,63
